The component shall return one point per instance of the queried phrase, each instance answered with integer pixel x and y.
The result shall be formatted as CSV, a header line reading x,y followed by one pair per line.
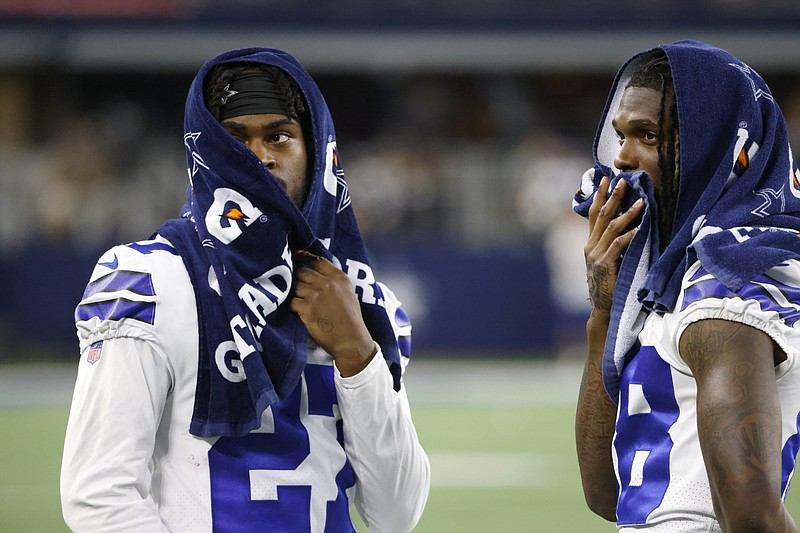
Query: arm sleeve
x,y
381,441
116,409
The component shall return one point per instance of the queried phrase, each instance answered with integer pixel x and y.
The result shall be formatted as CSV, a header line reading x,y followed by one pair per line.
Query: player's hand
x,y
608,240
325,301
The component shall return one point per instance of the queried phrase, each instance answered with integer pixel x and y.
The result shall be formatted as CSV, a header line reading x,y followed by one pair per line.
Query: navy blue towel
x,y
738,208
236,236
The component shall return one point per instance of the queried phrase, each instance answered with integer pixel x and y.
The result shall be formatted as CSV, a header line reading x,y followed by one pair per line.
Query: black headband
x,y
253,93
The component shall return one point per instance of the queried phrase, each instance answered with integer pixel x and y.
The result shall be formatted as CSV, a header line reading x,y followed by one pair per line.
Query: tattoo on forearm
x,y
594,426
594,416
600,289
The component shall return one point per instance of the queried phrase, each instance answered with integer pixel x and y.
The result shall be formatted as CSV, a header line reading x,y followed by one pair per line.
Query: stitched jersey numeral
x,y
647,410
288,477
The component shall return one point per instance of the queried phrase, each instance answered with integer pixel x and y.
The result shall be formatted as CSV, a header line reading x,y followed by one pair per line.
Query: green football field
x,y
499,437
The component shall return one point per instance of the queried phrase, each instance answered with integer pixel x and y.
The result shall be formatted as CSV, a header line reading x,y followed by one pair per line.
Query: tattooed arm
x,y
594,430
596,412
739,423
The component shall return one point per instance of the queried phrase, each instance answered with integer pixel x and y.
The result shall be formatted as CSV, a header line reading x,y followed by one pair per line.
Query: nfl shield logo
x,y
94,352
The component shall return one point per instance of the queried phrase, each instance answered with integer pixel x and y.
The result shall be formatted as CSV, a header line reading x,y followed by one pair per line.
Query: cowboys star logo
x,y
757,92
230,93
190,141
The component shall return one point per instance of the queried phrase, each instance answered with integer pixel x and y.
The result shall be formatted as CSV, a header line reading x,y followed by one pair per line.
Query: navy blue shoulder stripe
x,y
122,280
152,246
108,305
754,290
117,309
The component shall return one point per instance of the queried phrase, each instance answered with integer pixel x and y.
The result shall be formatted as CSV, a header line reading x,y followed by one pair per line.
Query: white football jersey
x,y
130,463
657,457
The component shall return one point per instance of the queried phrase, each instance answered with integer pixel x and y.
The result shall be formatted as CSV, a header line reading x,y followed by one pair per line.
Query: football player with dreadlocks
x,y
688,406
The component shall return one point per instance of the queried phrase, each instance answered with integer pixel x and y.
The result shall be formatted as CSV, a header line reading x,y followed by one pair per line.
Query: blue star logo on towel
x,y
334,181
769,196
757,92
344,199
190,141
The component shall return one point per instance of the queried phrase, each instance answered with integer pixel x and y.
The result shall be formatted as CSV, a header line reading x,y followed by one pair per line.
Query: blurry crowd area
x,y
441,169
462,186
462,180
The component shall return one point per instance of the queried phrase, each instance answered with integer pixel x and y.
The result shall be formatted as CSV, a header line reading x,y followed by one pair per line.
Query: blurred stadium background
x,y
463,127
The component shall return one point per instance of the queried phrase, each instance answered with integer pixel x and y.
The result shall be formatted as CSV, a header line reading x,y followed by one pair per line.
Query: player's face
x,y
278,142
636,124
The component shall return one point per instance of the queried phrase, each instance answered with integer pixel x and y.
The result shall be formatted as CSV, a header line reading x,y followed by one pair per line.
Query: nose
x,y
264,154
626,160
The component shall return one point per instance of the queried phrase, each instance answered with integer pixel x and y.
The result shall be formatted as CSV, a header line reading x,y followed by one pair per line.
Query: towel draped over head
x,y
237,234
738,204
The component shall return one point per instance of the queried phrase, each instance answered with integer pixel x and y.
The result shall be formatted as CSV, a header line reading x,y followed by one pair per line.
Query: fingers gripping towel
x,y
627,314
738,200
236,236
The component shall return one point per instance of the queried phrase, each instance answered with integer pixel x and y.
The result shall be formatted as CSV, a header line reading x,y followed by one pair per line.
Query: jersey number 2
x,y
280,478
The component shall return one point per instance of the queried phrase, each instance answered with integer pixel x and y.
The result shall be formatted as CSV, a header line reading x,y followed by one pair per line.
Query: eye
x,y
279,137
650,136
620,137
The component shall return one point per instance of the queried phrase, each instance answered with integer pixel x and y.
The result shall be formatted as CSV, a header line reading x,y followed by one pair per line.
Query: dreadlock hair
x,y
653,72
222,74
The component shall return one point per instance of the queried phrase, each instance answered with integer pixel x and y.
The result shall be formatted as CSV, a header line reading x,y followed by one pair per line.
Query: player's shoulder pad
x,y
126,281
775,292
